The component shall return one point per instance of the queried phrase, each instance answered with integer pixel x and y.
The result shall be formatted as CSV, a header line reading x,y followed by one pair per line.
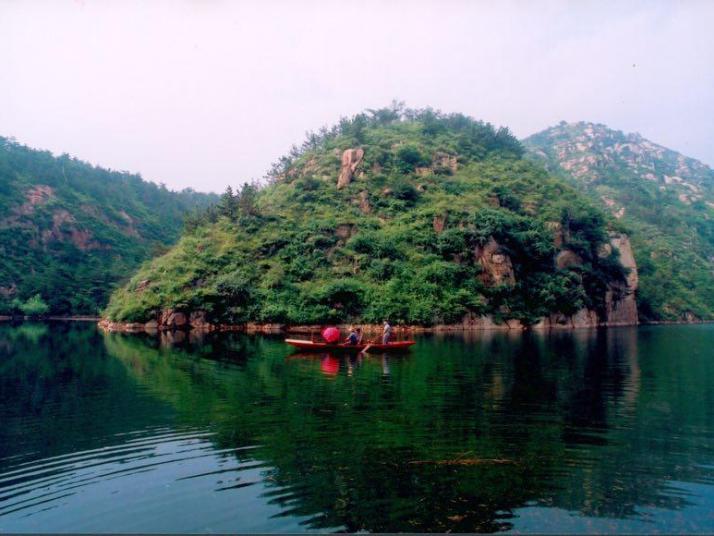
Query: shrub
x,y
34,306
410,157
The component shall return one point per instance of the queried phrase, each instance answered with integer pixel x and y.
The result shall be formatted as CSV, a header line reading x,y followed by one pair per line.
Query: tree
x,y
228,205
34,306
246,200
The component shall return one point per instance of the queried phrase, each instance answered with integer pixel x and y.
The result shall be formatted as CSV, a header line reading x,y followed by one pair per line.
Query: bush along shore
x,y
436,222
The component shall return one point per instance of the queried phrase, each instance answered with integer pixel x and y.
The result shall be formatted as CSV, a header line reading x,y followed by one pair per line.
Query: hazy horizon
x,y
206,94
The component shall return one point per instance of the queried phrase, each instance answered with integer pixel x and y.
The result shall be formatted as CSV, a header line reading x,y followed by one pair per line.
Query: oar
x,y
369,345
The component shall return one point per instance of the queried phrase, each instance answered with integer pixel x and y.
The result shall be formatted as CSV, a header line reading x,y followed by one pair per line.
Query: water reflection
x,y
494,432
333,364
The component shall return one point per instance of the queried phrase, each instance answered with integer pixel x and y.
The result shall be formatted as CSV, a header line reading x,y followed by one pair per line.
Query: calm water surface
x,y
588,431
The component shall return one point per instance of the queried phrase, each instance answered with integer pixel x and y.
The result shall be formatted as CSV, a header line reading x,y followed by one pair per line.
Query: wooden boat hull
x,y
311,346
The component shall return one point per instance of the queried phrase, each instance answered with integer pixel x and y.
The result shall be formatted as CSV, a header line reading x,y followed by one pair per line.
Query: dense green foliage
x,y
665,200
70,231
302,251
33,307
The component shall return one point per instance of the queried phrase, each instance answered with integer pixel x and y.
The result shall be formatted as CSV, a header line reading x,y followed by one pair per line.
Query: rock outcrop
x,y
620,302
65,229
442,164
567,258
351,159
170,319
345,231
497,268
8,291
584,318
439,222
197,320
364,205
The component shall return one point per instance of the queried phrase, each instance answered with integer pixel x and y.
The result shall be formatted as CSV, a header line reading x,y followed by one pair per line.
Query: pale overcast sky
x,y
208,93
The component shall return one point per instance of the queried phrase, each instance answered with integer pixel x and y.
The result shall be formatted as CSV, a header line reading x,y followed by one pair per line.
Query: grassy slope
x,y
93,229
308,253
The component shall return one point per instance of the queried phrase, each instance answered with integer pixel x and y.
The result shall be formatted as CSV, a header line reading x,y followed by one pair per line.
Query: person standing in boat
x,y
354,337
386,333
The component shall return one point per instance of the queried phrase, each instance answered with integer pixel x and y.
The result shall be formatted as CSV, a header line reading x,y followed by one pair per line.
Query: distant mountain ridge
x,y
70,231
664,197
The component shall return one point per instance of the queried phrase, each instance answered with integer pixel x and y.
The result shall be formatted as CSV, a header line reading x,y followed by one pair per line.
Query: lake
x,y
584,431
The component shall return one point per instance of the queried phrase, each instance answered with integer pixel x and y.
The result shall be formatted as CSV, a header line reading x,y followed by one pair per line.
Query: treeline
x,y
78,180
235,206
475,139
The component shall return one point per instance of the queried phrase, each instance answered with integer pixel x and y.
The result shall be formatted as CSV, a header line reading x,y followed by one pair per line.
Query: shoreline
x,y
277,329
76,318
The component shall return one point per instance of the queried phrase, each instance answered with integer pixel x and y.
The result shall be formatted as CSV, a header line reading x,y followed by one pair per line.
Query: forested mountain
x,y
663,197
70,231
413,215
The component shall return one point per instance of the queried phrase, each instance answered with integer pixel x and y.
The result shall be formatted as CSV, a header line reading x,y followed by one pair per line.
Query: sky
x,y
204,94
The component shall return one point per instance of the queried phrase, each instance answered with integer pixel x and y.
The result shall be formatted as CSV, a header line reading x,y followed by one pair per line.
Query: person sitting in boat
x,y
387,332
353,337
359,335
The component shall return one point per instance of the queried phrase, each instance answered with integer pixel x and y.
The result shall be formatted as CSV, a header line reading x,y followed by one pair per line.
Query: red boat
x,y
345,347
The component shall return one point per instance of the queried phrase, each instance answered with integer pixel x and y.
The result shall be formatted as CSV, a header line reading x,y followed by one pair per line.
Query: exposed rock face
x,y
567,258
170,319
9,291
620,303
620,298
37,195
584,318
364,205
351,158
64,228
439,223
442,164
496,264
445,163
130,227
590,151
143,285
559,234
345,230
197,320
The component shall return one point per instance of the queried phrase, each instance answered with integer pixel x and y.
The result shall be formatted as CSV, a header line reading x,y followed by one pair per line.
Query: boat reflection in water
x,y
331,364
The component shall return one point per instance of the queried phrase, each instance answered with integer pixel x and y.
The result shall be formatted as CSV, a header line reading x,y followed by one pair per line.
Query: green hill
x,y
70,231
413,215
663,197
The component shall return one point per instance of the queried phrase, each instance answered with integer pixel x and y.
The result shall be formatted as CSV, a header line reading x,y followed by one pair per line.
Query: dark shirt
x,y
352,339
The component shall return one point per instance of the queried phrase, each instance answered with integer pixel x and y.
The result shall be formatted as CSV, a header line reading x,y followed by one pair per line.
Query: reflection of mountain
x,y
60,392
457,435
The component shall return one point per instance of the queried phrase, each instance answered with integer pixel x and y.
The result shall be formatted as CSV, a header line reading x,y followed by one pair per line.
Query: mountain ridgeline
x,y
70,231
412,215
663,198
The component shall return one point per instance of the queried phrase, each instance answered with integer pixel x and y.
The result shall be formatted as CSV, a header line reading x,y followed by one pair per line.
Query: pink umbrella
x,y
331,335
